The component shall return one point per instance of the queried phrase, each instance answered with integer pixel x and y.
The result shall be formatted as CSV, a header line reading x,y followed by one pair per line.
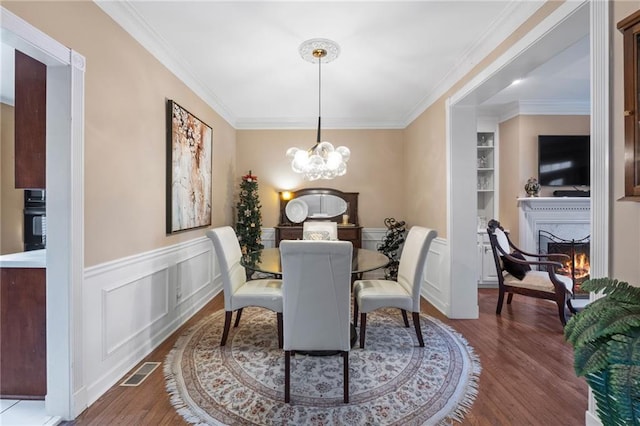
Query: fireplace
x,y
577,266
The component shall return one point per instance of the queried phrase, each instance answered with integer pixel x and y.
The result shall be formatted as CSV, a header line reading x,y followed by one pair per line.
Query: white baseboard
x,y
133,304
590,419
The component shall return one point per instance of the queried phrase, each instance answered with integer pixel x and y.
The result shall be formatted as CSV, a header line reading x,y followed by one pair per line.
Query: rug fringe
x,y
171,384
473,387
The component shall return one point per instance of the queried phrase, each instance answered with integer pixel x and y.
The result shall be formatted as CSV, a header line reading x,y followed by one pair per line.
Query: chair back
x,y
412,261
499,246
320,230
316,291
229,254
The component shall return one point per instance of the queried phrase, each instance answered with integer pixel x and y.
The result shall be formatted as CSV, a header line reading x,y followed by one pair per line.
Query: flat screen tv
x,y
564,160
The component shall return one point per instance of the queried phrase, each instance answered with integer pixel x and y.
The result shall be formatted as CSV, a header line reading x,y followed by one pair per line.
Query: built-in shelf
x,y
486,190
486,179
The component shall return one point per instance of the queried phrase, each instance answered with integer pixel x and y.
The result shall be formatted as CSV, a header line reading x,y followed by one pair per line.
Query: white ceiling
x,y
396,57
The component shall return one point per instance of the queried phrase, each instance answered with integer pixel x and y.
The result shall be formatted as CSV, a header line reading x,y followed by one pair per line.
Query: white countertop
x,y
26,259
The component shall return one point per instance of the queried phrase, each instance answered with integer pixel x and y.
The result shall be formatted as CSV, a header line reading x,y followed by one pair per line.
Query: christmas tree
x,y
249,218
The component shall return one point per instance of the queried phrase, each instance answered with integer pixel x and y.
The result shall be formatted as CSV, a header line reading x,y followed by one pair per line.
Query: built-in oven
x,y
35,219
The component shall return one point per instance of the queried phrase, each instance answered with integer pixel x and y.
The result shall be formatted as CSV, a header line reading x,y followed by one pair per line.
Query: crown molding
x,y
125,15
513,109
502,27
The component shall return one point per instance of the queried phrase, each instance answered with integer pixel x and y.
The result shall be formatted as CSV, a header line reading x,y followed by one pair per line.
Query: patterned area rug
x,y
392,381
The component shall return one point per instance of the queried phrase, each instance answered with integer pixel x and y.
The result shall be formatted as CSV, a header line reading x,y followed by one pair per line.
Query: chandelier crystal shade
x,y
321,161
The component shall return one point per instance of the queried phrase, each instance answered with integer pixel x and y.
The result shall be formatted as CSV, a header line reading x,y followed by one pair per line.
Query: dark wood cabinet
x,y
630,28
345,233
23,338
288,230
30,122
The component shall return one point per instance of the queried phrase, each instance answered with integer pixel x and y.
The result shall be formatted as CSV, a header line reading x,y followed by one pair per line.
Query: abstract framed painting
x,y
189,151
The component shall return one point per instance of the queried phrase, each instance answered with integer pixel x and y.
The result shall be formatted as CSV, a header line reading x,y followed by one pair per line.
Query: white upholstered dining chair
x,y
404,294
316,296
238,292
320,230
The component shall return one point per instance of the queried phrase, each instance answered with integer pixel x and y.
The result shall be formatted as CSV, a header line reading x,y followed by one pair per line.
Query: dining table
x,y
267,261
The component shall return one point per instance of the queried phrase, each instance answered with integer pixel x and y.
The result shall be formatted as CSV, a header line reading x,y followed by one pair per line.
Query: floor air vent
x,y
140,374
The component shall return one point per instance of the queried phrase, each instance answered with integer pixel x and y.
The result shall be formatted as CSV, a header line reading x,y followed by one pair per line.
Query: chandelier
x,y
321,161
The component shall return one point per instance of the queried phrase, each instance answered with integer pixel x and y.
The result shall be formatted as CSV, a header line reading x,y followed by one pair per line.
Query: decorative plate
x,y
296,210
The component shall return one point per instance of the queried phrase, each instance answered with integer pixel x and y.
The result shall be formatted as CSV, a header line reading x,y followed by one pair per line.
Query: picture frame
x,y
189,170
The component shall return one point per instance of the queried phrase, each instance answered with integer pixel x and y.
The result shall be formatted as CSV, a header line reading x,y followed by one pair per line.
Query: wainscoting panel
x,y
194,275
435,287
131,305
372,237
131,308
269,237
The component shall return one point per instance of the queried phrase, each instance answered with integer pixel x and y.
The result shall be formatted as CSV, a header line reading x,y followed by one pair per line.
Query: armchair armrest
x,y
548,255
550,266
533,262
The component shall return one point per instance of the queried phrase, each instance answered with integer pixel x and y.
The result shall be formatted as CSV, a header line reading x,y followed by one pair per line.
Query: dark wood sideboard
x,y
287,230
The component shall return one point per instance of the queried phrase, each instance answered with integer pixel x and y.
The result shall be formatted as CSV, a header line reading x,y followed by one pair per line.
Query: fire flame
x,y
581,269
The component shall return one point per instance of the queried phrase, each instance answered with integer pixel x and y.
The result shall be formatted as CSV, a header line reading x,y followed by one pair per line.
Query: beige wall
x,y
126,90
374,170
519,157
625,215
425,159
425,170
11,199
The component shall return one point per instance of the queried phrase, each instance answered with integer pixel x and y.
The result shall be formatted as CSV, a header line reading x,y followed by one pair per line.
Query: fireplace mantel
x,y
567,217
555,203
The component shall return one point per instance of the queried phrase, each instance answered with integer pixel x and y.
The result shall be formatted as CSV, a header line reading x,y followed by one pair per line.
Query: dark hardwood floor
x,y
527,371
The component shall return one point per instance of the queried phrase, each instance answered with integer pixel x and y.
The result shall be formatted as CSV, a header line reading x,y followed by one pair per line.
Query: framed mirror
x,y
319,204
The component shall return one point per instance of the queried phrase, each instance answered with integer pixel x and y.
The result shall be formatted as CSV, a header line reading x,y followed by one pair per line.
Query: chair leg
x,y
238,315
363,328
404,317
570,306
416,324
500,300
287,376
561,312
227,325
279,321
355,312
509,298
345,357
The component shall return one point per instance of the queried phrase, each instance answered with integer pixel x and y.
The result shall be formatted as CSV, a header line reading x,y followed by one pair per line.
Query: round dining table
x,y
267,261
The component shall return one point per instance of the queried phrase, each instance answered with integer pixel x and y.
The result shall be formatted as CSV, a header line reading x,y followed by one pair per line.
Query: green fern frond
x,y
586,325
624,391
619,290
599,384
603,317
625,349
618,321
590,358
